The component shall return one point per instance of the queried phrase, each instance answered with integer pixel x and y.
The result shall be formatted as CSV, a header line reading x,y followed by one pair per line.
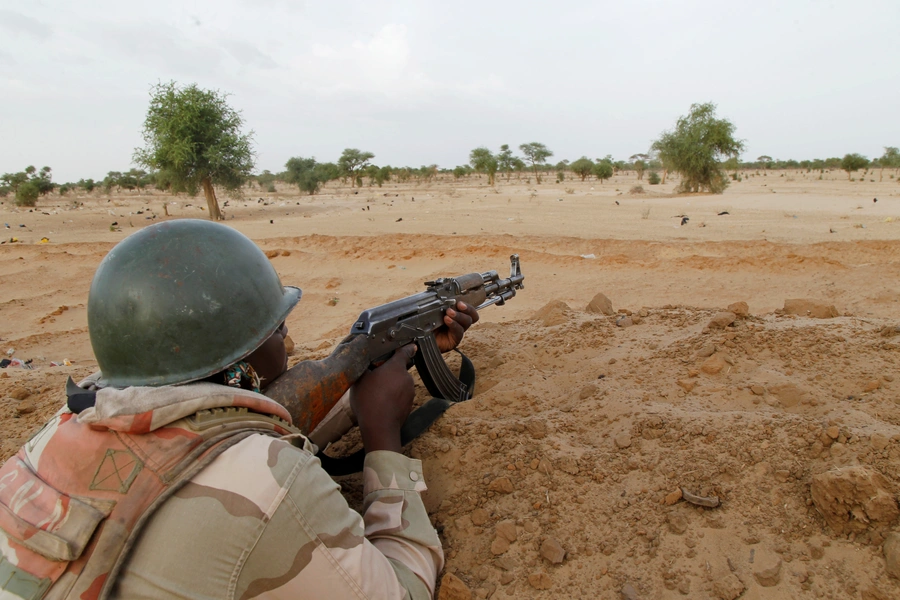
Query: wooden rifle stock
x,y
310,389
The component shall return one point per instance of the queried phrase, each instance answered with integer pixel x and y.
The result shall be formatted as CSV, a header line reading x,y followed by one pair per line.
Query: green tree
x,y
29,185
460,172
537,154
765,160
518,165
603,169
14,180
382,174
732,164
853,162
328,172
890,159
194,139
302,173
427,172
87,185
582,167
639,162
352,161
695,147
43,181
506,160
483,161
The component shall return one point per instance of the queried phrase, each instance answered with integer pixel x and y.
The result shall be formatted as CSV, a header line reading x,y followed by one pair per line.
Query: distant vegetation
x,y
194,140
28,185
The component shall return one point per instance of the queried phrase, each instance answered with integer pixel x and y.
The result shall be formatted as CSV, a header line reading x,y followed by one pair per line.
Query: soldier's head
x,y
183,300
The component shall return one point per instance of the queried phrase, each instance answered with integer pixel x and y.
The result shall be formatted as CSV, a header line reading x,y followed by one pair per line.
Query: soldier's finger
x,y
454,328
464,320
468,310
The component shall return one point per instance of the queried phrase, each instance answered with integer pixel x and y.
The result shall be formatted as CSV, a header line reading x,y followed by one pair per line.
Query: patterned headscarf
x,y
242,375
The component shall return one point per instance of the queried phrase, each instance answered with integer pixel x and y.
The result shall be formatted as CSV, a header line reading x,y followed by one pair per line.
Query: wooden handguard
x,y
310,389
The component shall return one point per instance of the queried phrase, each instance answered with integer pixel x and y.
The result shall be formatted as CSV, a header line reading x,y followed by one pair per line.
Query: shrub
x,y
27,194
271,189
653,178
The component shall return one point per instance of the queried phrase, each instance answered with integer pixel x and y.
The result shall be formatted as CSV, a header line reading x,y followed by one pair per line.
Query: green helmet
x,y
181,300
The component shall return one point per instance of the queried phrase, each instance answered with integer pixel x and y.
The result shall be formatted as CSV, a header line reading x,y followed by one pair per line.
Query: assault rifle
x,y
310,389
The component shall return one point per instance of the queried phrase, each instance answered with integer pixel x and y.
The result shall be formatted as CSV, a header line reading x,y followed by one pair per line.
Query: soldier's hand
x,y
456,322
382,399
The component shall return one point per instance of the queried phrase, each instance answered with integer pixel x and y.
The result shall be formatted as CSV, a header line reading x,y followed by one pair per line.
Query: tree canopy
x,y
582,167
696,146
483,161
352,161
28,185
537,154
603,169
194,140
853,162
506,160
890,159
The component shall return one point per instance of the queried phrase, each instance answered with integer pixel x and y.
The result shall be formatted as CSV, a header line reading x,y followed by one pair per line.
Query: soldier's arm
x,y
315,546
395,517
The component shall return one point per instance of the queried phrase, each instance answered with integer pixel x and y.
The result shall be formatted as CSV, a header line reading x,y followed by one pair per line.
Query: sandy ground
x,y
562,477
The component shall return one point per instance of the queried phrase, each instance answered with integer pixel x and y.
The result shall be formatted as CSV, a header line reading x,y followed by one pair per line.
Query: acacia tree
x,y
890,159
603,169
696,146
506,160
582,167
483,161
853,162
536,153
766,160
352,162
193,140
640,164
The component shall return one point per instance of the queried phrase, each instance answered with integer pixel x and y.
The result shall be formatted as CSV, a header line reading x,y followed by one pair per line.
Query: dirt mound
x,y
563,476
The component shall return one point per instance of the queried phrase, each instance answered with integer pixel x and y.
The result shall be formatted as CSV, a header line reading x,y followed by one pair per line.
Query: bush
x,y
637,189
560,177
653,178
271,189
27,194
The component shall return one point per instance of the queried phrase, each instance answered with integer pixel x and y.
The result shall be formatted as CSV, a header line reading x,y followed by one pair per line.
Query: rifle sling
x,y
416,424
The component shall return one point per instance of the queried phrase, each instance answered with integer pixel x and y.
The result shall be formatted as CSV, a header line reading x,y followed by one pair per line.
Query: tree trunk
x,y
214,213
881,175
665,172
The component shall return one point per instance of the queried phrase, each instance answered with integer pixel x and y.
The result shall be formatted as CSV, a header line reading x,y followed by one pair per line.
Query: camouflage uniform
x,y
254,516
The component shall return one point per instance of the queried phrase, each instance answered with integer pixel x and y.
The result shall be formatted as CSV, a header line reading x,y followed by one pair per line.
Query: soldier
x,y
169,475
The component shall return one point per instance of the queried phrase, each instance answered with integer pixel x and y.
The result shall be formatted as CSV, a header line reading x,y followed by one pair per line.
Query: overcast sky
x,y
425,82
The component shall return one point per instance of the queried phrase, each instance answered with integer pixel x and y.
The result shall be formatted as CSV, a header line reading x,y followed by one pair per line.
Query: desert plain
x,y
750,356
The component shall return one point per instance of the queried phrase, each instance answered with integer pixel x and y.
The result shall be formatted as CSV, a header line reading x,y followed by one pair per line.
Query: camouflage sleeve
x,y
316,546
396,521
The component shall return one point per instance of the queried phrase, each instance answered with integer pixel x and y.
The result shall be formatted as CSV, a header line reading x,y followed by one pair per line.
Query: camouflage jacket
x,y
255,517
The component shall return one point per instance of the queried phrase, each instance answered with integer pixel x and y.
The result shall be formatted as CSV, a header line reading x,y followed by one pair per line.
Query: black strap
x,y
78,398
416,424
